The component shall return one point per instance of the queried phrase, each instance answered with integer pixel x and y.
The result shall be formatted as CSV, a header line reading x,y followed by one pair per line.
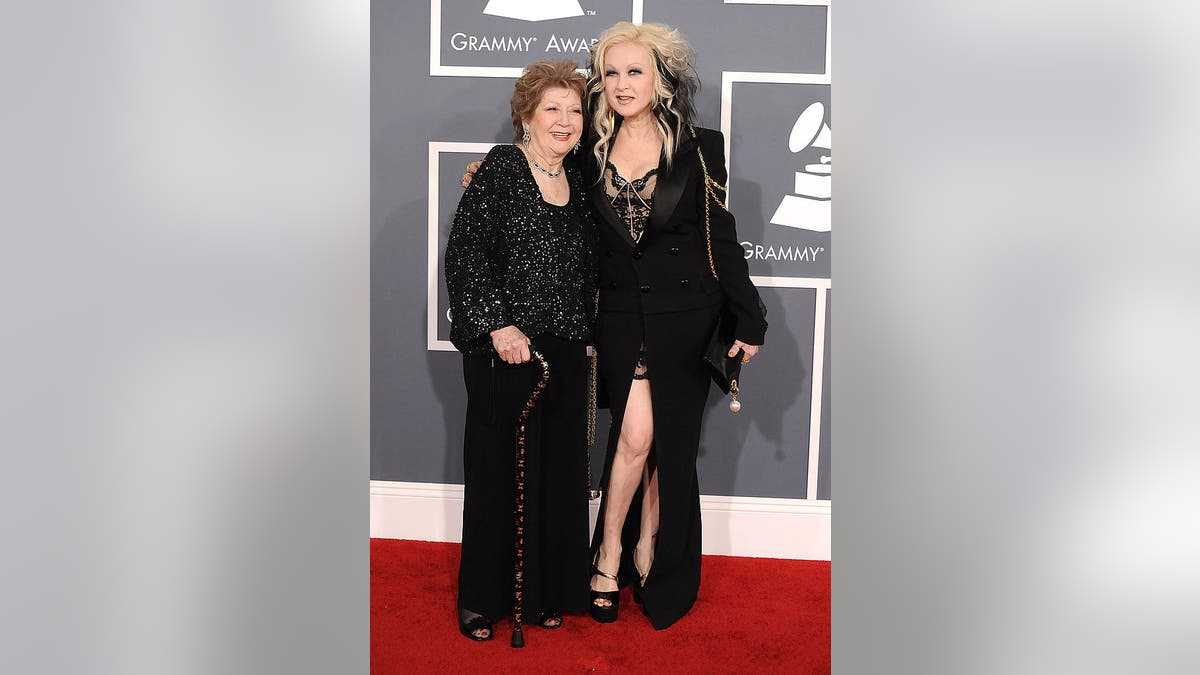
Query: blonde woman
x,y
659,301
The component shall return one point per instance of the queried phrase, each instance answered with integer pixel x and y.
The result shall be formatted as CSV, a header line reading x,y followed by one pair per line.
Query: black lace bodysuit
x,y
631,199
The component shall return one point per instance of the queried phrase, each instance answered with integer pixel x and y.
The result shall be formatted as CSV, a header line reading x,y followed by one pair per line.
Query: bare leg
x,y
643,555
633,446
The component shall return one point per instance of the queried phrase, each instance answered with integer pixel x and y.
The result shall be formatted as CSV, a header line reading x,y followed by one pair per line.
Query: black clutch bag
x,y
724,369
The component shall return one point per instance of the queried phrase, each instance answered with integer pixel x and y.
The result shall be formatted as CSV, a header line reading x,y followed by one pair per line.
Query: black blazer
x,y
668,270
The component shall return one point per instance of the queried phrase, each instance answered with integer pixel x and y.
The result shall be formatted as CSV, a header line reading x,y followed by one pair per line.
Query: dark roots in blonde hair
x,y
675,84
538,77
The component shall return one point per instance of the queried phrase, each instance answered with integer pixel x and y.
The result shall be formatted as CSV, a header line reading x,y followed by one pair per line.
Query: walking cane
x,y
518,637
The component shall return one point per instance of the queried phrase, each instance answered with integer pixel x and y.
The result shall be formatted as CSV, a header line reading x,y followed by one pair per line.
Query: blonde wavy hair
x,y
675,84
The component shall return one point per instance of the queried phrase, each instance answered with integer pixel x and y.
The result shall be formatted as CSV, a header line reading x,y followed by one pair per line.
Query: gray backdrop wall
x,y
442,74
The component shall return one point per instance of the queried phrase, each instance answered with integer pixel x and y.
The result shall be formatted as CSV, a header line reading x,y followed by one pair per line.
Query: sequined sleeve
x,y
476,297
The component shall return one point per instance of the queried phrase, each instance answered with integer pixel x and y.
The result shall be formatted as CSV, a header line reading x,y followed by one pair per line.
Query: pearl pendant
x,y
735,405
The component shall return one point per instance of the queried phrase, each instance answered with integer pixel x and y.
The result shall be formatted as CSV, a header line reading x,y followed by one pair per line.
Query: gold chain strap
x,y
591,409
591,404
710,193
591,422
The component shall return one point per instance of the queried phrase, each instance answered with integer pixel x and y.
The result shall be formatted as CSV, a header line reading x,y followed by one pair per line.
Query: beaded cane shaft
x,y
518,637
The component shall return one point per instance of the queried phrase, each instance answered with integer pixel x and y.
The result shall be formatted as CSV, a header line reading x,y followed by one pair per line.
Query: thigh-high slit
x,y
679,386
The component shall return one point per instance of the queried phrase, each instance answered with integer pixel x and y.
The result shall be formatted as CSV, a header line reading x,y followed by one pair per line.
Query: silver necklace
x,y
539,167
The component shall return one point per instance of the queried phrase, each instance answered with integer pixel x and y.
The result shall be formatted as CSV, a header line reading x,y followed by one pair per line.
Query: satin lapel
x,y
608,214
671,184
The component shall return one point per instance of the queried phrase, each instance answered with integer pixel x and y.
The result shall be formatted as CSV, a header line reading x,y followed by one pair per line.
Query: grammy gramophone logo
x,y
533,10
809,208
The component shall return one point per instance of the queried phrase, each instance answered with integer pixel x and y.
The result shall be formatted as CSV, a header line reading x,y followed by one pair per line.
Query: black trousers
x,y
556,511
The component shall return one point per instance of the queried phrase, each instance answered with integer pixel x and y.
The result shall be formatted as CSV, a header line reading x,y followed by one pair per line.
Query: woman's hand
x,y
471,169
748,351
511,344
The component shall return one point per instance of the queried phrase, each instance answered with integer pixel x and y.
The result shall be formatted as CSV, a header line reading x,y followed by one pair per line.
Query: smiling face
x,y
629,79
556,123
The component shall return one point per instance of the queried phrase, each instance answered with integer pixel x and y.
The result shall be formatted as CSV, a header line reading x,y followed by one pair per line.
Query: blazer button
x,y
684,283
612,285
645,288
637,255
674,250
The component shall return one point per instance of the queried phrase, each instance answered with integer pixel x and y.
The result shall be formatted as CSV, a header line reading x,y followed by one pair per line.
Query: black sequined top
x,y
514,259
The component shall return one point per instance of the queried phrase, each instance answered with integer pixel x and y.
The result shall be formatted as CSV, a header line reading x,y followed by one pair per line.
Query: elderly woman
x,y
520,269
669,260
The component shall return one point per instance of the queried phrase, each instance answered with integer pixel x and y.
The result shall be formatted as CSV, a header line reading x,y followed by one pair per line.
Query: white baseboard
x,y
755,527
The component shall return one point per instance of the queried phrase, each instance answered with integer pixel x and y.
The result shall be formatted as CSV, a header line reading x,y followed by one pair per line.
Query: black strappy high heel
x,y
641,582
469,622
600,613
639,585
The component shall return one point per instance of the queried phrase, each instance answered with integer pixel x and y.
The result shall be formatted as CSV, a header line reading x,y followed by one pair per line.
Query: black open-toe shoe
x,y
599,612
469,622
551,619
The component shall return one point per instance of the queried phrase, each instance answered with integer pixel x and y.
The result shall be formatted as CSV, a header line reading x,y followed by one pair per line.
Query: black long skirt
x,y
679,387
556,512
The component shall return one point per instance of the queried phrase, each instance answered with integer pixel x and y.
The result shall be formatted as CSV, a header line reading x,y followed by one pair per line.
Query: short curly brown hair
x,y
533,83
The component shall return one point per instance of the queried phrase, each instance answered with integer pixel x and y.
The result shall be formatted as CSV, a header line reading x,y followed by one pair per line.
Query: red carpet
x,y
754,615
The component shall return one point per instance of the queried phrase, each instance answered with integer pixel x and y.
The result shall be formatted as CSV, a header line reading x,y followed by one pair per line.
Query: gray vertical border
x,y
824,475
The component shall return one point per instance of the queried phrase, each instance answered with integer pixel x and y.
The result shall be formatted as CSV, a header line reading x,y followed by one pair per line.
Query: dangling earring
x,y
577,144
611,119
525,137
